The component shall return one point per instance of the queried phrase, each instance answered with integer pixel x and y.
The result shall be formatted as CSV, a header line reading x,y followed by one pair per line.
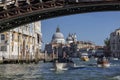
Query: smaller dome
x,y
69,38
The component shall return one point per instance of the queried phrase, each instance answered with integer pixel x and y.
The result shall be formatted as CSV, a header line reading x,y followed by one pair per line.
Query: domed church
x,y
58,37
71,38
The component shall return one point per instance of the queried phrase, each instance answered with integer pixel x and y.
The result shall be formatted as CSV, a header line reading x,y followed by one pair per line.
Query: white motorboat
x,y
115,59
63,64
96,58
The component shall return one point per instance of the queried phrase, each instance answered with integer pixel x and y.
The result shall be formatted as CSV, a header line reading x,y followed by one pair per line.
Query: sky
x,y
95,27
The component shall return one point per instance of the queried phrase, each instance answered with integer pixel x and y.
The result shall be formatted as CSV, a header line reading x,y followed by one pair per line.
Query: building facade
x,y
54,48
58,47
22,42
115,43
86,45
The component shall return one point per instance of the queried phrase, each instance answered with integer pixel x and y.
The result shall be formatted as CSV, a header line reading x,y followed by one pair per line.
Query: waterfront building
x,y
72,38
115,43
23,42
86,45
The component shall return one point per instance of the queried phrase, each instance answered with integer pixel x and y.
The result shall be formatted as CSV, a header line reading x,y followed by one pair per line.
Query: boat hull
x,y
85,58
103,62
63,66
104,65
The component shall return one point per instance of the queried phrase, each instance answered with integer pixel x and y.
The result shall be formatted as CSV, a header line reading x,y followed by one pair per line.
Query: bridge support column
x,y
28,1
16,3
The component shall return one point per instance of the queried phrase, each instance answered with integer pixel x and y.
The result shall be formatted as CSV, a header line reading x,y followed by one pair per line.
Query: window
x,y
33,47
12,36
12,48
2,37
38,40
119,40
18,37
31,28
118,33
32,40
3,48
26,46
26,28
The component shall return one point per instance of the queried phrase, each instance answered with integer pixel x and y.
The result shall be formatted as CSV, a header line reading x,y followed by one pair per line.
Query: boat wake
x,y
116,78
74,68
71,68
53,69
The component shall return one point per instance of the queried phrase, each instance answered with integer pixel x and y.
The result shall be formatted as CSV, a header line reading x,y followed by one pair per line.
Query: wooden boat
x,y
103,62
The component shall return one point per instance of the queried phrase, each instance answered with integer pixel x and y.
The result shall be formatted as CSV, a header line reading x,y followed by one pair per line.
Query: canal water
x,y
45,71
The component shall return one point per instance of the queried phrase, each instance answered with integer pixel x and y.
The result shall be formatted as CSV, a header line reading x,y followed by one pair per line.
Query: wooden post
x,y
53,55
18,45
36,56
45,56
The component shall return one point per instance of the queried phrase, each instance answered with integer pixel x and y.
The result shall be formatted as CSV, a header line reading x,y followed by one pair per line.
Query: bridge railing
x,y
12,8
25,11
6,2
16,2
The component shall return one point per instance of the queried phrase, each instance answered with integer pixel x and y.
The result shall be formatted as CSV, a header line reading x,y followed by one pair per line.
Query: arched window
x,y
119,40
2,37
12,36
118,34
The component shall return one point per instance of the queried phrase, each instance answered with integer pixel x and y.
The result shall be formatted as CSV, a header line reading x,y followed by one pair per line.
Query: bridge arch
x,y
14,16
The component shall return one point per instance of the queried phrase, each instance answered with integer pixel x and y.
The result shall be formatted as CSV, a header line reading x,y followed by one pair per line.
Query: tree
x,y
107,42
107,47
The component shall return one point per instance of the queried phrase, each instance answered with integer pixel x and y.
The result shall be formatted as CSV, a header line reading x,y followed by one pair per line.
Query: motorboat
x,y
115,59
84,57
63,64
103,62
96,58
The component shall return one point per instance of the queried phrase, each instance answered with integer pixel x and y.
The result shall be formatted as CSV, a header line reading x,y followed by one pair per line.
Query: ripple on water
x,y
116,77
42,71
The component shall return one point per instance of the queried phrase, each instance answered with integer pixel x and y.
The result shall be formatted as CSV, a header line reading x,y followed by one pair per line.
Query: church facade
x,y
59,47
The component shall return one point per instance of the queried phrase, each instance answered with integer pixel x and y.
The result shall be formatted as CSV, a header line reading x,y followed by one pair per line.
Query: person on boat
x,y
103,62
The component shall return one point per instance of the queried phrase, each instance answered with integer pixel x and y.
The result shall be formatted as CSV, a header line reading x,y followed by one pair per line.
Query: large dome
x,y
58,37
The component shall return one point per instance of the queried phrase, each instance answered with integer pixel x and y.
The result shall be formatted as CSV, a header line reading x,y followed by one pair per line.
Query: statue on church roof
x,y
58,29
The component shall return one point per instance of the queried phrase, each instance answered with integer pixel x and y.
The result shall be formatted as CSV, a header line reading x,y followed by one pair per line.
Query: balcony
x,y
20,30
25,32
16,30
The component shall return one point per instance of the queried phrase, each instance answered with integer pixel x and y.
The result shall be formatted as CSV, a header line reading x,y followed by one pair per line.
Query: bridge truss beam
x,y
18,16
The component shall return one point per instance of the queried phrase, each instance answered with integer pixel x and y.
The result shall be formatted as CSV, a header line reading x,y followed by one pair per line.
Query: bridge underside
x,y
62,10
